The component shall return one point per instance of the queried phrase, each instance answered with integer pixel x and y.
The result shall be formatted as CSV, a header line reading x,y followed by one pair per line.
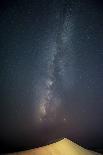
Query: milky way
x,y
49,102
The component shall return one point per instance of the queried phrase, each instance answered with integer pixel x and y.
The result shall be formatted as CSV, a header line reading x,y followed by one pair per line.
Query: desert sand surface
x,y
62,147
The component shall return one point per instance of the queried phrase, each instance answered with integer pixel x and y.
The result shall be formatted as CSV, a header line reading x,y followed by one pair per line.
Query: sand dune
x,y
62,147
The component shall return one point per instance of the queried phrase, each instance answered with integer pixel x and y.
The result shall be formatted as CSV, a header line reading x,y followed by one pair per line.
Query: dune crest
x,y
62,147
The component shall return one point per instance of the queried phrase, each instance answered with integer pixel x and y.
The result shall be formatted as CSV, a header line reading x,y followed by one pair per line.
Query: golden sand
x,y
62,147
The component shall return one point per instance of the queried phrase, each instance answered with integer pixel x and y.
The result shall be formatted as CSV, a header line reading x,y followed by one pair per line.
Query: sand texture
x,y
62,147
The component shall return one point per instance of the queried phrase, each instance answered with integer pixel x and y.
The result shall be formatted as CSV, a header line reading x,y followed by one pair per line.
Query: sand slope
x,y
62,147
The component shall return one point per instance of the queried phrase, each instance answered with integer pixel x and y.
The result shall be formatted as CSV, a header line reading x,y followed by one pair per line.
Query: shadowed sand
x,y
62,147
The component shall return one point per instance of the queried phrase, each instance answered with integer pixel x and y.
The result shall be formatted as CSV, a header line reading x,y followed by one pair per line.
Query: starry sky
x,y
51,73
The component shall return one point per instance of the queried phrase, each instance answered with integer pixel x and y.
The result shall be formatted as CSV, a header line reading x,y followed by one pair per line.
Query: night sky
x,y
51,73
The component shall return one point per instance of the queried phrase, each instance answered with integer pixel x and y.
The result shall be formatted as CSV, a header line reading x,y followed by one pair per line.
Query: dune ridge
x,y
62,147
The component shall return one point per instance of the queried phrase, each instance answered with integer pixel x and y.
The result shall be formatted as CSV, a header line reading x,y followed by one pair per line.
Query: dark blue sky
x,y
51,72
